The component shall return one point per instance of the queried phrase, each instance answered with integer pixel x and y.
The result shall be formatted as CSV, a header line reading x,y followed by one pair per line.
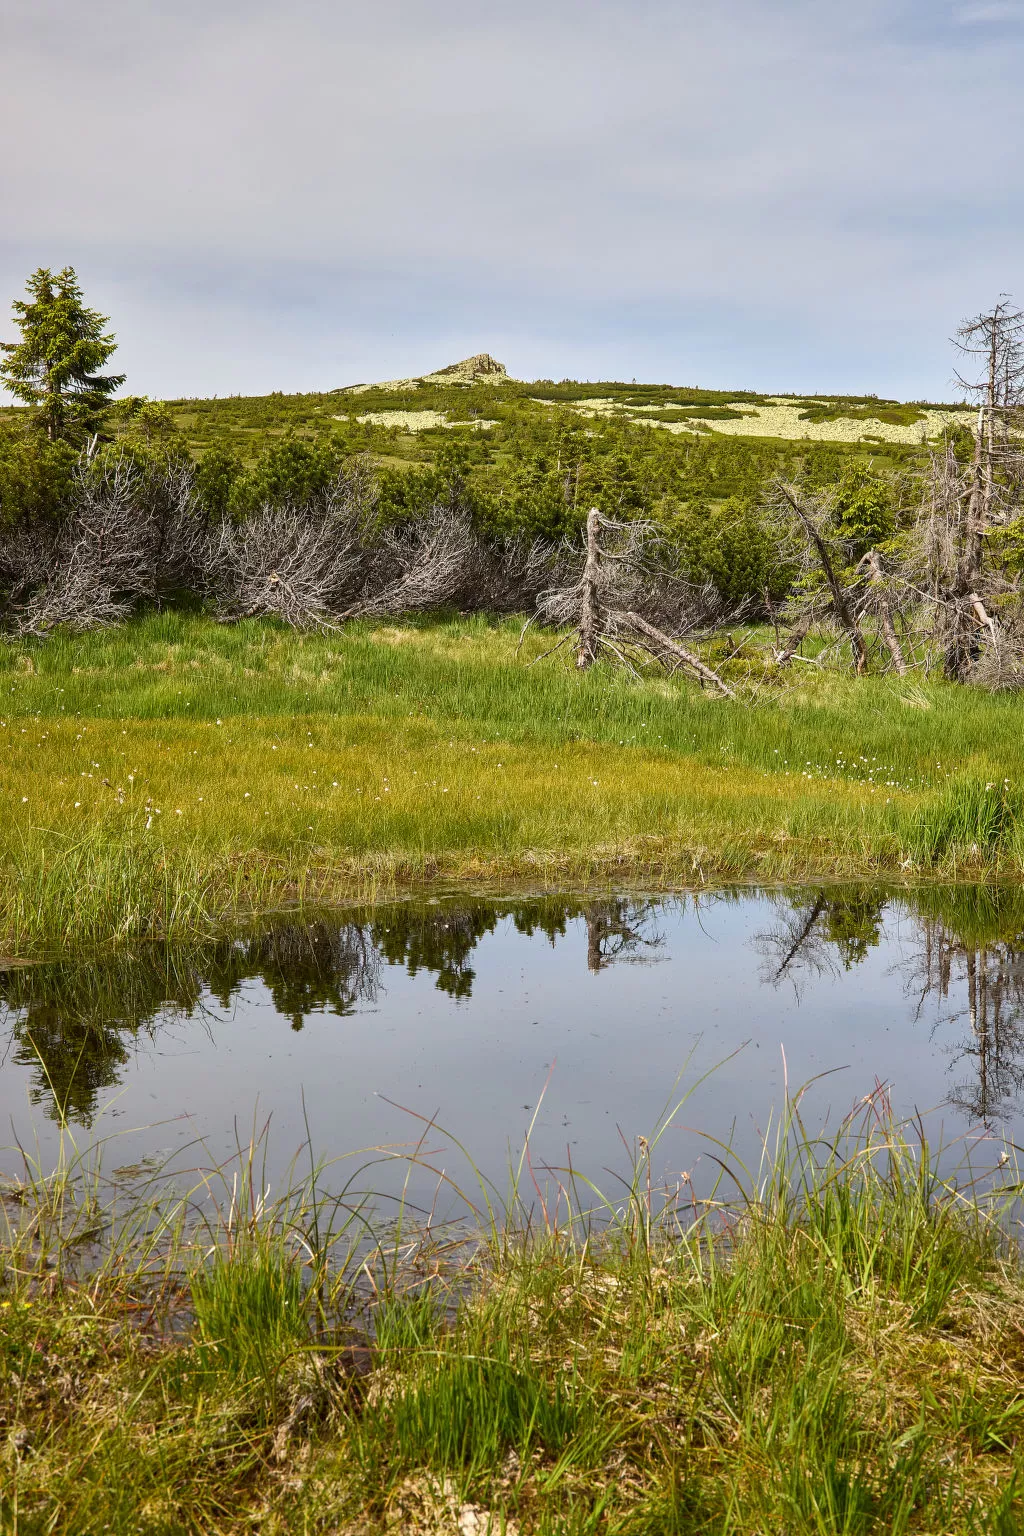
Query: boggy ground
x,y
176,771
837,1349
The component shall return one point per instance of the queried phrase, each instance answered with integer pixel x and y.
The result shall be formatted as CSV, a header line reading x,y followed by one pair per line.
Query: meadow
x,y
177,772
827,1343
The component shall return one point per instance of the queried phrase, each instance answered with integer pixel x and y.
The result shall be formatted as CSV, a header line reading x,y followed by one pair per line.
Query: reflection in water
x,y
74,1022
620,930
970,945
976,948
820,933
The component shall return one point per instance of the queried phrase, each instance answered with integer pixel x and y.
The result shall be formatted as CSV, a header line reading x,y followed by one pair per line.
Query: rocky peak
x,y
482,366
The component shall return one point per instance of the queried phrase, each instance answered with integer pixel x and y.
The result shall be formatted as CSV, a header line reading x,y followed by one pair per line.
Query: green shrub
x,y
35,476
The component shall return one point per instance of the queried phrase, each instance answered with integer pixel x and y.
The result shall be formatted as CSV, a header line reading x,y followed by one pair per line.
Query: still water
x,y
588,1018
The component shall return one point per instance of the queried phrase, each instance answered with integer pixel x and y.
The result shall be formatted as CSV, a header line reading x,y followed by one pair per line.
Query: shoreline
x,y
191,901
841,1335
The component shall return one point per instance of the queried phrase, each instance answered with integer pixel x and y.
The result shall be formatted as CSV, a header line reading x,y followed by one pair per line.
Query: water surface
x,y
471,1014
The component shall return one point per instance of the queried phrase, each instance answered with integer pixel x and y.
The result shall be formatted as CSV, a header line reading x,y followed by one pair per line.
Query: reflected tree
x,y
970,960
75,1022
320,967
71,1064
620,930
820,933
435,939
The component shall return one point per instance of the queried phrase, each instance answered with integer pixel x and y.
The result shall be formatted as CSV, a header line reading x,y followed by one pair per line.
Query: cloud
x,y
1002,10
267,195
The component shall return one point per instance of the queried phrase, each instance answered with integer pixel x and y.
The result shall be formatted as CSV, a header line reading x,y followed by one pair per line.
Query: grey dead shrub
x,y
130,535
624,596
301,563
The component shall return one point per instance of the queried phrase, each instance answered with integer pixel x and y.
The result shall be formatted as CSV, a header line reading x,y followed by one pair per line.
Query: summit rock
x,y
481,368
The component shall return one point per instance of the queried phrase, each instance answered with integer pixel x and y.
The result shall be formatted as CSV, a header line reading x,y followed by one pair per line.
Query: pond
x,y
467,1021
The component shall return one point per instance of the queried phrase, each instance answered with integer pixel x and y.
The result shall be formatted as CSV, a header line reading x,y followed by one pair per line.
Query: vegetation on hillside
x,y
341,514
458,747
517,460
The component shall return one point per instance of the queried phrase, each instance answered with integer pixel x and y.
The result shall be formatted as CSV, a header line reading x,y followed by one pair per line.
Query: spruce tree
x,y
55,367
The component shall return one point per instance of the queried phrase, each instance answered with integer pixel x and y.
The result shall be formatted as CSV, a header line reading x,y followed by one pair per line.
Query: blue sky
x,y
768,194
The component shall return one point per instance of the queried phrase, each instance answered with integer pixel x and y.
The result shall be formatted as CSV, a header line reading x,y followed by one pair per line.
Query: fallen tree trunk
x,y
673,648
844,613
793,644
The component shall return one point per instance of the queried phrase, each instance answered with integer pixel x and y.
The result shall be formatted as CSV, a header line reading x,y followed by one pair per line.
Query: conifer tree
x,y
55,367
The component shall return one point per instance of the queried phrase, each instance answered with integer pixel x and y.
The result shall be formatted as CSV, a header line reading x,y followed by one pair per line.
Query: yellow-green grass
x,y
177,771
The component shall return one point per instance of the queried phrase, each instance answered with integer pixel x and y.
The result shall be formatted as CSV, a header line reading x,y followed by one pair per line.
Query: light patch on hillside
x,y
780,417
392,384
416,421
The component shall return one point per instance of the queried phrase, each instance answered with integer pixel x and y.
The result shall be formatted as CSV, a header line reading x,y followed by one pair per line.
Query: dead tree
x,y
432,564
515,573
880,599
625,600
179,534
969,602
128,535
97,564
794,640
592,616
965,501
804,523
286,563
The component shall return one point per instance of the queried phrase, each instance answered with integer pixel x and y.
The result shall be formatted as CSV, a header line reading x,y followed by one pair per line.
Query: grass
x,y
177,772
827,1343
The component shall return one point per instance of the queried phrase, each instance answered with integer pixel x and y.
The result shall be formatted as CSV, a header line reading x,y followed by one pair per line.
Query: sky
x,y
780,195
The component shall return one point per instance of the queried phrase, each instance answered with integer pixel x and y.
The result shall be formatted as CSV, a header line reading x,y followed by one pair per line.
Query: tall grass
x,y
971,819
826,1342
177,772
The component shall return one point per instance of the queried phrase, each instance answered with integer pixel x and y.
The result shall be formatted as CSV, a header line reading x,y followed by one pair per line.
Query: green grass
x,y
827,1343
178,772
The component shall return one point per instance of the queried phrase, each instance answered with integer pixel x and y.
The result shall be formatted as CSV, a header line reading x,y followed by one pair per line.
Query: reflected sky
x,y
587,1019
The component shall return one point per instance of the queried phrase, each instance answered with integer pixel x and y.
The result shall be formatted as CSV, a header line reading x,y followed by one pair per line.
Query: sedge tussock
x,y
836,1347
